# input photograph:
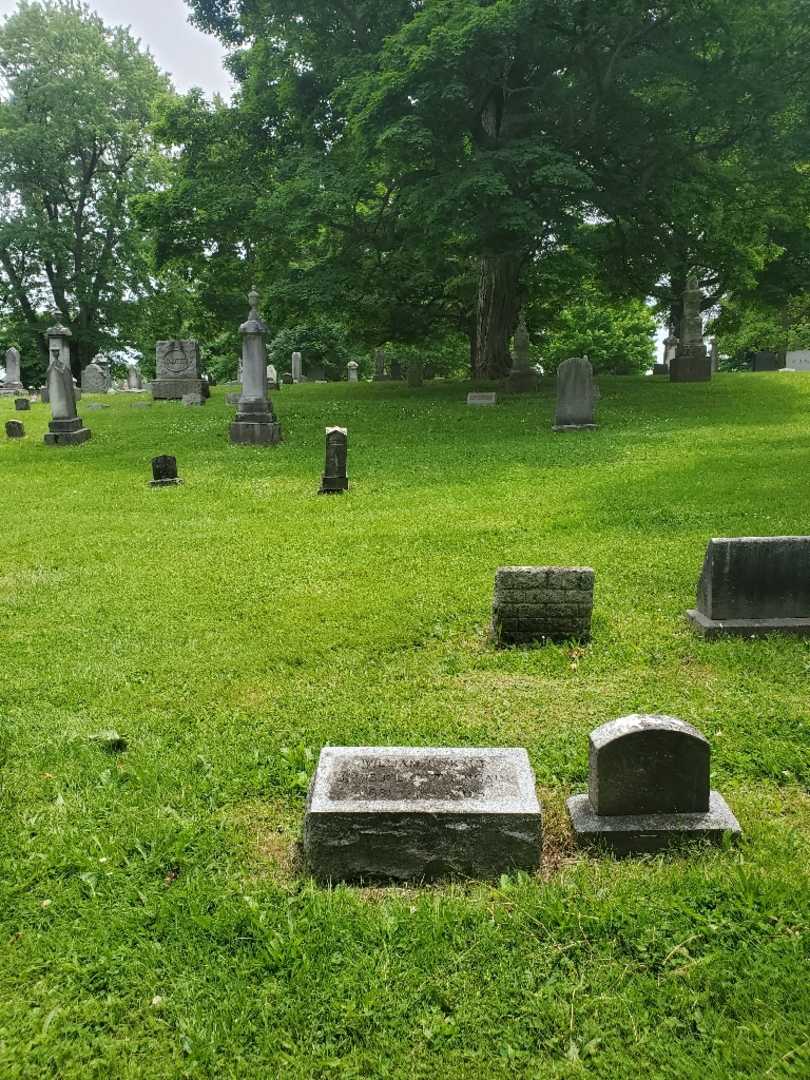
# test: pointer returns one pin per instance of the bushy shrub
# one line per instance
(320, 342)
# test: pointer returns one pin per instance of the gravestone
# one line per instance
(396, 371)
(134, 380)
(255, 422)
(352, 370)
(691, 362)
(11, 384)
(754, 585)
(335, 479)
(44, 396)
(14, 429)
(96, 406)
(522, 379)
(95, 379)
(297, 368)
(648, 787)
(767, 361)
(379, 366)
(421, 814)
(714, 355)
(798, 360)
(177, 371)
(192, 399)
(577, 395)
(670, 348)
(415, 374)
(232, 399)
(22, 404)
(272, 377)
(164, 472)
(479, 400)
(287, 378)
(536, 603)
(66, 427)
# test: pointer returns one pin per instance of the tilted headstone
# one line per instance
(691, 362)
(482, 399)
(14, 429)
(297, 368)
(415, 373)
(177, 371)
(11, 384)
(352, 370)
(255, 422)
(537, 603)
(95, 379)
(522, 378)
(22, 404)
(66, 427)
(798, 360)
(164, 471)
(754, 585)
(335, 479)
(576, 395)
(421, 814)
(379, 366)
(648, 787)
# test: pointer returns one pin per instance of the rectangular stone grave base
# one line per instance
(333, 485)
(176, 389)
(255, 434)
(712, 628)
(421, 814)
(11, 389)
(692, 363)
(165, 483)
(645, 833)
(574, 427)
(522, 382)
(66, 432)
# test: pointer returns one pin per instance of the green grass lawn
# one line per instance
(154, 920)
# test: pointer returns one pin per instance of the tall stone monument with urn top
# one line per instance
(523, 379)
(255, 421)
(691, 362)
(177, 371)
(66, 428)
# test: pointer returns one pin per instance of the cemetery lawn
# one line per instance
(154, 920)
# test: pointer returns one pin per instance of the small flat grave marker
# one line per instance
(648, 787)
(421, 813)
(22, 404)
(482, 399)
(14, 429)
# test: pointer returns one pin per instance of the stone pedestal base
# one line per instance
(66, 432)
(333, 485)
(692, 363)
(522, 381)
(574, 427)
(642, 833)
(257, 434)
(714, 628)
(176, 389)
(11, 389)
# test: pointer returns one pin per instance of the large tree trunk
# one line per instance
(498, 308)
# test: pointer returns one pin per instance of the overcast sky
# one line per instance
(189, 56)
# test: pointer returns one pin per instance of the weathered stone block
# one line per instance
(69, 432)
(536, 602)
(414, 814)
(14, 430)
(754, 585)
(22, 404)
(482, 399)
(648, 786)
